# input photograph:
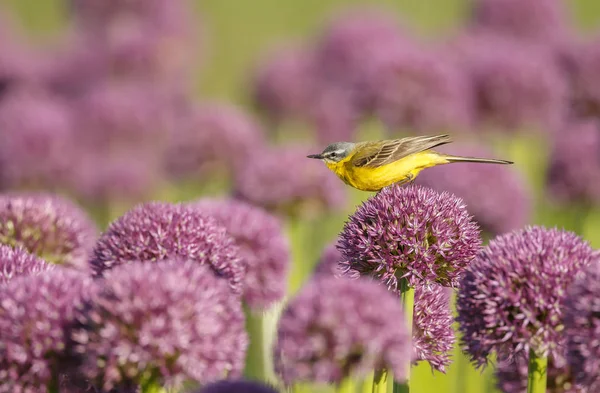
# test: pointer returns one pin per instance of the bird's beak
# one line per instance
(316, 156)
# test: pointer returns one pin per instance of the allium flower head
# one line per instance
(329, 262)
(36, 130)
(410, 232)
(497, 196)
(174, 320)
(582, 322)
(584, 60)
(574, 171)
(262, 246)
(213, 136)
(541, 21)
(510, 297)
(49, 226)
(515, 85)
(15, 262)
(36, 313)
(421, 89)
(155, 231)
(337, 327)
(237, 387)
(283, 181)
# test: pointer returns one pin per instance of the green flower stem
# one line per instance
(536, 378)
(301, 267)
(367, 384)
(380, 381)
(348, 385)
(259, 361)
(407, 295)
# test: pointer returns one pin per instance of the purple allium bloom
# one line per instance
(263, 247)
(543, 21)
(329, 262)
(582, 323)
(498, 197)
(509, 300)
(174, 320)
(410, 232)
(515, 85)
(574, 171)
(512, 377)
(337, 327)
(584, 60)
(36, 131)
(36, 313)
(49, 226)
(421, 89)
(283, 181)
(213, 136)
(155, 231)
(15, 262)
(237, 387)
(433, 334)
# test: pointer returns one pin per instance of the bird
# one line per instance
(374, 165)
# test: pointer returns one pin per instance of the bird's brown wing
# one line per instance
(379, 153)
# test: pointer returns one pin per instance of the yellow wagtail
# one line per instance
(373, 165)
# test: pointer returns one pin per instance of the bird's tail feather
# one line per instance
(451, 159)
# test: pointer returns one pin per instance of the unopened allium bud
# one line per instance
(335, 328)
(262, 246)
(410, 232)
(510, 298)
(49, 226)
(15, 262)
(155, 231)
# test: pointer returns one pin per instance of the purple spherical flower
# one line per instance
(36, 313)
(410, 232)
(212, 136)
(515, 85)
(15, 262)
(512, 377)
(263, 248)
(174, 320)
(237, 387)
(498, 197)
(337, 327)
(433, 335)
(543, 21)
(584, 60)
(282, 180)
(421, 89)
(574, 171)
(509, 300)
(49, 226)
(329, 262)
(582, 323)
(156, 231)
(37, 131)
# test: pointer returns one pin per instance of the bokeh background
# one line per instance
(214, 109)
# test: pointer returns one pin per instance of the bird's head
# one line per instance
(335, 152)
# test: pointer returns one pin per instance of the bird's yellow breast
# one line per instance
(374, 179)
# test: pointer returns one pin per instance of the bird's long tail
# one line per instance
(451, 159)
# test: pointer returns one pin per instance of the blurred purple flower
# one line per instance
(433, 334)
(237, 387)
(263, 247)
(498, 197)
(152, 319)
(282, 180)
(329, 262)
(582, 327)
(410, 232)
(36, 313)
(509, 299)
(15, 262)
(421, 89)
(574, 170)
(512, 377)
(49, 226)
(515, 85)
(36, 130)
(156, 231)
(585, 83)
(213, 136)
(336, 327)
(541, 21)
